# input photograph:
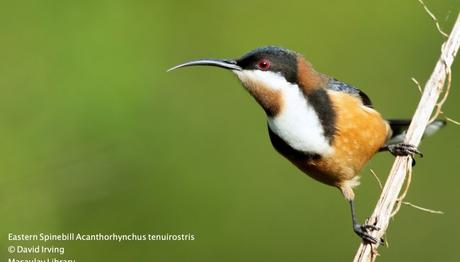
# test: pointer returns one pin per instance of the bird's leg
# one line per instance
(403, 149)
(363, 230)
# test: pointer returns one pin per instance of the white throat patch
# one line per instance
(271, 80)
(297, 123)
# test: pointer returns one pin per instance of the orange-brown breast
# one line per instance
(361, 132)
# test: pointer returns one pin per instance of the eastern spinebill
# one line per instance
(325, 127)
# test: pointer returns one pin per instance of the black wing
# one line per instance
(336, 85)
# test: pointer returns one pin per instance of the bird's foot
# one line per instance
(363, 231)
(403, 149)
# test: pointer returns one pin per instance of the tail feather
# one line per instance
(399, 129)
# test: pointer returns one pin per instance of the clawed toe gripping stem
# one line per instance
(403, 149)
(363, 231)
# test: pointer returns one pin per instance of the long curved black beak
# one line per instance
(227, 64)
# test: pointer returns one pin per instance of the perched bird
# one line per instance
(327, 128)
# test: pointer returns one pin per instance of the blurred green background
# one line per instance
(95, 136)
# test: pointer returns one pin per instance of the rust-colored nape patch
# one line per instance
(309, 79)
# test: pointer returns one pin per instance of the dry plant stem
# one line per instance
(434, 18)
(452, 121)
(377, 178)
(395, 181)
(431, 211)
(418, 84)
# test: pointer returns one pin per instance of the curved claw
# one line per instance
(362, 232)
(370, 227)
(403, 149)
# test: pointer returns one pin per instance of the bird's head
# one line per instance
(269, 74)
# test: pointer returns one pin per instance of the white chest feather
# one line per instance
(298, 124)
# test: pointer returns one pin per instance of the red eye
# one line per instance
(263, 64)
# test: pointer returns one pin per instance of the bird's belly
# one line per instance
(360, 133)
